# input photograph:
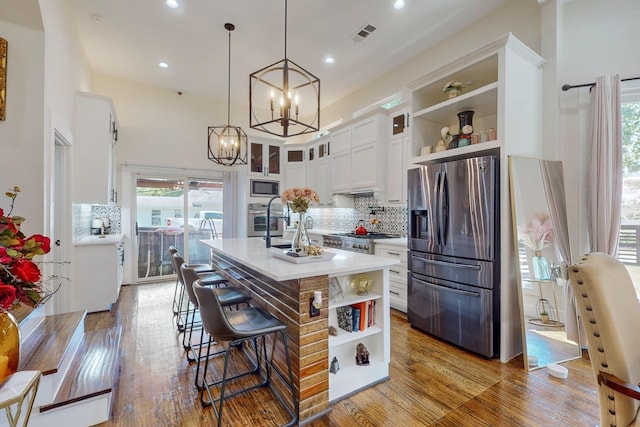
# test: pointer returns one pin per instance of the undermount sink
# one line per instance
(282, 246)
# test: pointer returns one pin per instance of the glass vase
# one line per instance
(300, 237)
(9, 345)
(541, 270)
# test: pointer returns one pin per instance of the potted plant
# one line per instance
(544, 316)
(453, 88)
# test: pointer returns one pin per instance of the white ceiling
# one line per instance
(128, 38)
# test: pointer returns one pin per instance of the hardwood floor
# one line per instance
(432, 382)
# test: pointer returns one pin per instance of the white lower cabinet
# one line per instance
(397, 273)
(374, 335)
(98, 273)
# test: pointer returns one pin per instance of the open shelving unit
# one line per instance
(352, 377)
(503, 82)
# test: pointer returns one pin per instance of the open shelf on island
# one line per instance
(348, 299)
(354, 377)
(344, 336)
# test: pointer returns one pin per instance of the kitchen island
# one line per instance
(286, 289)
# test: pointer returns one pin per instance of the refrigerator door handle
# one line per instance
(448, 289)
(440, 208)
(450, 264)
(444, 208)
(436, 220)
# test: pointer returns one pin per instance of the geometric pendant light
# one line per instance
(284, 98)
(227, 144)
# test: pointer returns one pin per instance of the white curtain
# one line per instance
(605, 179)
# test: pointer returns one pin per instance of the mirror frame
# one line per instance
(519, 279)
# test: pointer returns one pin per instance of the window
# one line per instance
(156, 217)
(629, 242)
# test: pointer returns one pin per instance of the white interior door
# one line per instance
(61, 240)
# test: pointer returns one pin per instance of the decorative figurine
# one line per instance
(333, 331)
(361, 284)
(335, 367)
(362, 354)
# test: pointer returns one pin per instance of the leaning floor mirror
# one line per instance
(539, 215)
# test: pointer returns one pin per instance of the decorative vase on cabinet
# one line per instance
(465, 118)
(9, 345)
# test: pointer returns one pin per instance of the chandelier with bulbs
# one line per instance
(227, 145)
(284, 98)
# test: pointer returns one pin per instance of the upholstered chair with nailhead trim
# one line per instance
(610, 312)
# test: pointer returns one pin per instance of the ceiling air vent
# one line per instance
(363, 33)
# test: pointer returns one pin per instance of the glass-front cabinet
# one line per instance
(265, 158)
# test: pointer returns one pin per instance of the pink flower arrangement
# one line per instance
(299, 198)
(538, 232)
(19, 275)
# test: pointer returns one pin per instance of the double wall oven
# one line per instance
(257, 220)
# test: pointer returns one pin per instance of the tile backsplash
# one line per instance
(84, 213)
(393, 220)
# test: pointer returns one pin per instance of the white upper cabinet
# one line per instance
(357, 156)
(368, 165)
(398, 153)
(94, 150)
(295, 165)
(341, 160)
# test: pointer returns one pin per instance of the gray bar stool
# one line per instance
(208, 278)
(200, 268)
(228, 296)
(233, 328)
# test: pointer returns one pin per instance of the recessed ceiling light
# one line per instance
(329, 60)
(163, 65)
(173, 4)
(399, 4)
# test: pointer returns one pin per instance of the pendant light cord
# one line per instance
(229, 81)
(285, 29)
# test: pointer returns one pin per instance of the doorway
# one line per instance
(177, 212)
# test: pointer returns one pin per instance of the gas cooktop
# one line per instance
(370, 235)
(362, 243)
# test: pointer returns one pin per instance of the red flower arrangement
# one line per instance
(20, 277)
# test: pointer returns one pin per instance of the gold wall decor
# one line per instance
(3, 77)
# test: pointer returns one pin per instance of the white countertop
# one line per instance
(108, 239)
(253, 253)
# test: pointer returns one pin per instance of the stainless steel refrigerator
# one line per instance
(454, 267)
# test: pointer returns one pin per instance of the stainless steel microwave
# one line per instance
(264, 188)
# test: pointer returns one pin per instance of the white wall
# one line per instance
(522, 18)
(595, 38)
(21, 133)
(159, 127)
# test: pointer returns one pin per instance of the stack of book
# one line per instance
(357, 317)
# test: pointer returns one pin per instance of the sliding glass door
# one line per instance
(175, 212)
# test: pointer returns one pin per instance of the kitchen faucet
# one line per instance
(287, 217)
